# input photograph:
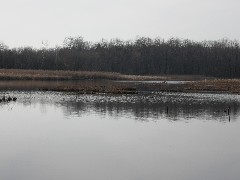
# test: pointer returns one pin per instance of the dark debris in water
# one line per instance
(7, 99)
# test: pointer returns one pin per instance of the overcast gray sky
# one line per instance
(28, 22)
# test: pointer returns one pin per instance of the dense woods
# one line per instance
(143, 56)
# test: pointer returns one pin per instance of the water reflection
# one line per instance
(53, 135)
(172, 111)
(171, 106)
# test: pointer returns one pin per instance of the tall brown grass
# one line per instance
(19, 74)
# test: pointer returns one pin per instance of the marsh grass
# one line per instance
(108, 82)
(215, 85)
(19, 74)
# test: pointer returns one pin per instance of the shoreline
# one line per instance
(115, 87)
(85, 82)
(54, 75)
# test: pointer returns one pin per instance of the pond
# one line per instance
(55, 135)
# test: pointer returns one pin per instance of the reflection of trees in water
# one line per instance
(157, 111)
(74, 108)
(141, 107)
(204, 111)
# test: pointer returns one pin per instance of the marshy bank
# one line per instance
(21, 74)
(85, 82)
(231, 86)
(124, 87)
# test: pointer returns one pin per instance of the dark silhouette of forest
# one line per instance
(142, 56)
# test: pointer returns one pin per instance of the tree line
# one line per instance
(142, 56)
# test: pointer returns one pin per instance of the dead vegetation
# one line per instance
(206, 86)
(216, 85)
(19, 74)
(202, 86)
(104, 82)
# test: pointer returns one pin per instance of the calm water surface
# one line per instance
(169, 136)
